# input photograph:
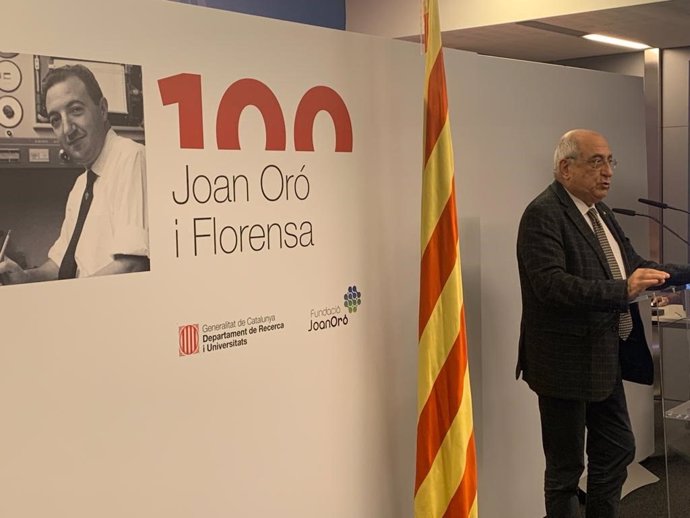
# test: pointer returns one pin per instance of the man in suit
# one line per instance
(580, 336)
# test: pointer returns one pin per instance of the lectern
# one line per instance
(671, 330)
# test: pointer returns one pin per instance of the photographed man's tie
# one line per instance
(68, 267)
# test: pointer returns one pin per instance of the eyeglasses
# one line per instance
(597, 162)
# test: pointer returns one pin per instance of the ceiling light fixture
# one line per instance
(616, 41)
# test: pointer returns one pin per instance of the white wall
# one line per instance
(396, 18)
(505, 132)
(629, 64)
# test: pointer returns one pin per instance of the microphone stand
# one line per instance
(661, 205)
(628, 212)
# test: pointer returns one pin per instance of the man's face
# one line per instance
(581, 176)
(78, 122)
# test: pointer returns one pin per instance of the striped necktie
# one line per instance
(68, 266)
(625, 324)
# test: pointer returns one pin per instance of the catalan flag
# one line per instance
(446, 476)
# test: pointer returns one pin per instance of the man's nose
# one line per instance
(67, 125)
(607, 169)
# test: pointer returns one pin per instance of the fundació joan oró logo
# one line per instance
(189, 339)
(334, 316)
(353, 298)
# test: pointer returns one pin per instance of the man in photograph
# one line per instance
(105, 228)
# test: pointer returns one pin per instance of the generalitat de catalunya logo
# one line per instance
(189, 339)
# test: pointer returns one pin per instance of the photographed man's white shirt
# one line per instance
(117, 222)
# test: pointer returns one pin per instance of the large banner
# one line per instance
(256, 363)
(262, 182)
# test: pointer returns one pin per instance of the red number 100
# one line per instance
(185, 91)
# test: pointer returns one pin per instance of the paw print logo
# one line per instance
(353, 298)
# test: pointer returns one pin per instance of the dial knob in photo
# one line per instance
(11, 112)
(10, 76)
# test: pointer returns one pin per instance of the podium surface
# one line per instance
(671, 329)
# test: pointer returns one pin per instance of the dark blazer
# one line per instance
(569, 346)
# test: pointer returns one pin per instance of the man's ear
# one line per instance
(103, 108)
(564, 168)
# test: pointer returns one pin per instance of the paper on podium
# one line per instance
(672, 312)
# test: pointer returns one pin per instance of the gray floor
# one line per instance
(650, 501)
(653, 500)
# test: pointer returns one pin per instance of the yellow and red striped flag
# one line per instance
(446, 476)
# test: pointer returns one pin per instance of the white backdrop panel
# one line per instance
(102, 417)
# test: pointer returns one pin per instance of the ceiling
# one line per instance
(662, 25)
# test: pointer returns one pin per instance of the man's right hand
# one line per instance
(643, 279)
(11, 272)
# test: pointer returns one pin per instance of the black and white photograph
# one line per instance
(73, 197)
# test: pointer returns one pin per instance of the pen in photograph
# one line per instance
(4, 245)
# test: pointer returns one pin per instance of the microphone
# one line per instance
(660, 205)
(628, 212)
